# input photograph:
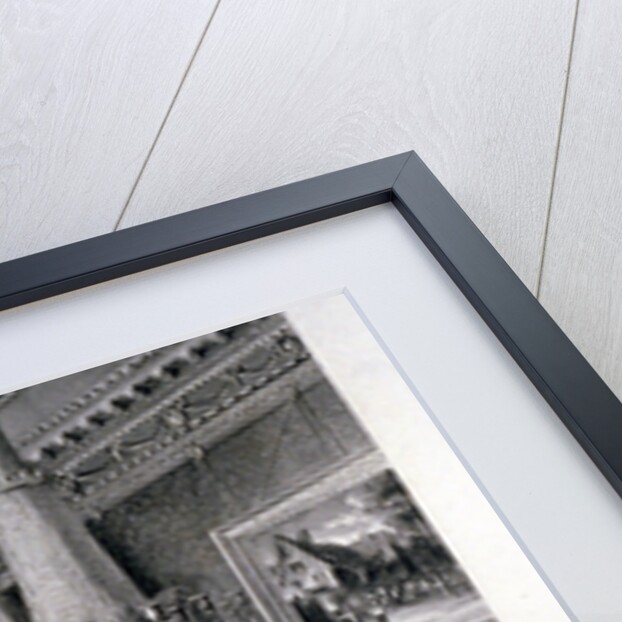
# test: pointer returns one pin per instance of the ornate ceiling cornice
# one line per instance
(131, 377)
(126, 473)
(7, 398)
(156, 412)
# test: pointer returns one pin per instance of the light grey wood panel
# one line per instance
(84, 87)
(582, 272)
(281, 91)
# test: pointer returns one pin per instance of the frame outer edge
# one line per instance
(573, 389)
(113, 255)
(576, 393)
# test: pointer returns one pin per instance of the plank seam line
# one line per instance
(166, 116)
(547, 217)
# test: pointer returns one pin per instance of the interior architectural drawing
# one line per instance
(218, 479)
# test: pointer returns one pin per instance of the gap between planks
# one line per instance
(547, 218)
(167, 115)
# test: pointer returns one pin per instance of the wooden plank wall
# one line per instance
(112, 114)
(582, 271)
(84, 87)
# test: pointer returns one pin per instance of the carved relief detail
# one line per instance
(187, 402)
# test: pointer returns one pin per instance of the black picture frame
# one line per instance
(572, 388)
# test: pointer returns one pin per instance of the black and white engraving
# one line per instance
(219, 479)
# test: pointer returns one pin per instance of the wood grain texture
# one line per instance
(84, 87)
(582, 272)
(279, 92)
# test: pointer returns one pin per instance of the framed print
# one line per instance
(289, 408)
(246, 475)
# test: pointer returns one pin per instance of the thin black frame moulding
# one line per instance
(581, 399)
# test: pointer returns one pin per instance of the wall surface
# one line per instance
(115, 114)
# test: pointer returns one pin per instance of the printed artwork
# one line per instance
(221, 479)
